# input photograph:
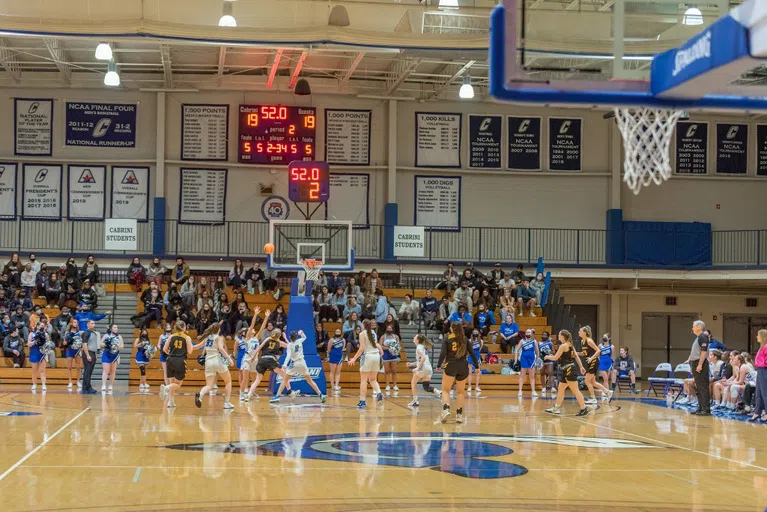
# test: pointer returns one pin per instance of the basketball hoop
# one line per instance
(312, 269)
(646, 138)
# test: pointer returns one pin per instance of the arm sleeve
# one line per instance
(442, 354)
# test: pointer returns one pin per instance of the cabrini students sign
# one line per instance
(409, 241)
(120, 234)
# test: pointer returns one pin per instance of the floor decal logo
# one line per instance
(461, 454)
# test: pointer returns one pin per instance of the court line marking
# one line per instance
(678, 477)
(392, 468)
(701, 452)
(45, 441)
(136, 475)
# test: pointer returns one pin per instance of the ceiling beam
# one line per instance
(221, 62)
(353, 63)
(297, 69)
(535, 4)
(166, 65)
(9, 60)
(59, 57)
(400, 70)
(444, 85)
(607, 5)
(572, 5)
(275, 67)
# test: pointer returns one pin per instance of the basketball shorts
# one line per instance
(266, 364)
(426, 372)
(298, 368)
(570, 372)
(458, 369)
(593, 367)
(176, 368)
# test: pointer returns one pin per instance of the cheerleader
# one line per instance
(391, 349)
(422, 370)
(36, 341)
(111, 344)
(591, 351)
(142, 360)
(164, 337)
(217, 362)
(568, 358)
(606, 361)
(370, 353)
(476, 343)
(527, 353)
(270, 350)
(74, 343)
(335, 350)
(546, 348)
(295, 364)
(455, 349)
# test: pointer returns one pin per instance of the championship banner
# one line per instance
(691, 147)
(565, 136)
(41, 192)
(101, 125)
(485, 134)
(524, 148)
(33, 127)
(130, 193)
(87, 192)
(438, 202)
(761, 150)
(731, 148)
(7, 190)
(437, 139)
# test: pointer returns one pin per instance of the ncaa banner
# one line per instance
(86, 192)
(565, 136)
(7, 190)
(41, 192)
(130, 192)
(102, 125)
(33, 127)
(485, 141)
(731, 148)
(691, 147)
(524, 143)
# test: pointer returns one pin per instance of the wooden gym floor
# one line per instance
(63, 451)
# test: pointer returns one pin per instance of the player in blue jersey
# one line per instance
(164, 337)
(475, 345)
(606, 350)
(546, 348)
(335, 350)
(526, 353)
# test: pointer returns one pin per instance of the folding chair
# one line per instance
(676, 383)
(624, 380)
(656, 381)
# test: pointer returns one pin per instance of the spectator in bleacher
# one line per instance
(225, 315)
(321, 281)
(353, 341)
(71, 269)
(624, 367)
(136, 273)
(526, 298)
(518, 275)
(152, 287)
(41, 279)
(715, 343)
(153, 304)
(368, 309)
(205, 318)
(352, 290)
(497, 273)
(382, 309)
(13, 347)
(23, 300)
(90, 271)
(325, 301)
(60, 323)
(28, 280)
(4, 302)
(537, 286)
(508, 332)
(362, 279)
(278, 318)
(352, 306)
(20, 319)
(203, 300)
(203, 285)
(13, 270)
(489, 286)
(321, 337)
(241, 317)
(339, 301)
(87, 297)
(156, 271)
(483, 320)
(178, 312)
(35, 264)
(267, 331)
(237, 276)
(429, 310)
(351, 323)
(508, 303)
(487, 299)
(409, 310)
(464, 295)
(172, 297)
(449, 279)
(445, 310)
(392, 322)
(219, 286)
(335, 281)
(70, 288)
(463, 316)
(188, 292)
(91, 343)
(84, 316)
(218, 302)
(5, 323)
(180, 272)
(270, 282)
(254, 278)
(36, 316)
(373, 282)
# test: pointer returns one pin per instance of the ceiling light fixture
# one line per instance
(692, 16)
(467, 90)
(227, 18)
(104, 51)
(112, 79)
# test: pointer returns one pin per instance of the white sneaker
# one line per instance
(543, 393)
(388, 393)
(146, 387)
(468, 389)
(387, 389)
(459, 418)
(413, 403)
(535, 394)
(69, 386)
(34, 388)
(110, 389)
(477, 390)
(294, 393)
(554, 410)
(163, 391)
(532, 315)
(437, 393)
(45, 388)
(519, 395)
(609, 395)
(444, 415)
(171, 404)
(228, 405)
(103, 388)
(80, 384)
(396, 389)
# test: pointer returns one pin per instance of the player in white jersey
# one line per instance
(423, 369)
(295, 364)
(217, 362)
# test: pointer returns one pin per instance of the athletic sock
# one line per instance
(445, 407)
(613, 386)
(459, 411)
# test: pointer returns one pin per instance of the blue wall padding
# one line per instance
(668, 243)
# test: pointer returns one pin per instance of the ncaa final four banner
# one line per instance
(86, 192)
(33, 127)
(41, 192)
(130, 193)
(8, 190)
(101, 125)
(485, 141)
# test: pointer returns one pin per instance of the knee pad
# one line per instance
(142, 369)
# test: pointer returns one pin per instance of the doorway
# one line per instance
(665, 339)
(587, 314)
(739, 332)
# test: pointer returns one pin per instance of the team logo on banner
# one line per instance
(33, 107)
(275, 208)
(86, 177)
(41, 175)
(130, 178)
(102, 127)
(2, 170)
(459, 454)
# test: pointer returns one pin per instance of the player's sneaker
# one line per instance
(323, 398)
(69, 386)
(197, 400)
(379, 397)
(535, 394)
(413, 403)
(274, 400)
(459, 418)
(295, 393)
(591, 401)
(228, 405)
(34, 388)
(396, 389)
(478, 390)
(444, 415)
(437, 393)
(554, 410)
(171, 404)
(361, 404)
(583, 412)
(468, 389)
(610, 395)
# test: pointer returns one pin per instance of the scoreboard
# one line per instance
(274, 134)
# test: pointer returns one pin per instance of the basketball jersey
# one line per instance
(370, 348)
(420, 355)
(177, 346)
(211, 347)
(296, 350)
(587, 350)
(242, 346)
(451, 353)
(271, 348)
(475, 345)
(605, 355)
(568, 356)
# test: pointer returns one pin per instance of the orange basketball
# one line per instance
(269, 249)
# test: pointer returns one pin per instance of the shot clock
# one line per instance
(308, 182)
(273, 134)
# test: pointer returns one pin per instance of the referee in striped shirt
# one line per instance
(699, 364)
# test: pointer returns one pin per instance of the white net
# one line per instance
(646, 139)
(311, 272)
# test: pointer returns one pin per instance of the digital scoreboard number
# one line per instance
(308, 182)
(276, 134)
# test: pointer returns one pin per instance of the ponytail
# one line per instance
(566, 335)
(460, 338)
(369, 332)
(423, 340)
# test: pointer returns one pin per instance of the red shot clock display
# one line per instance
(308, 182)
(273, 134)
